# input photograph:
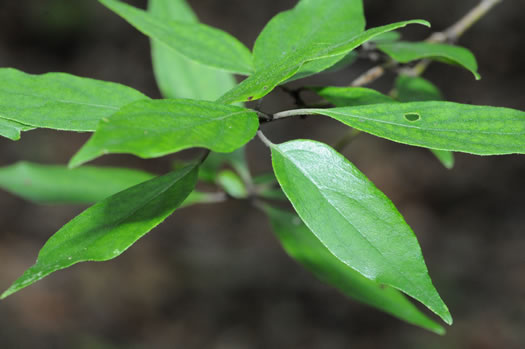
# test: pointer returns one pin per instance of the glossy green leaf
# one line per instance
(195, 41)
(449, 126)
(405, 52)
(180, 77)
(283, 67)
(330, 64)
(353, 219)
(159, 127)
(232, 184)
(302, 245)
(352, 96)
(57, 184)
(107, 229)
(12, 129)
(60, 101)
(416, 89)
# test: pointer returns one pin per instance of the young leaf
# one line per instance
(330, 64)
(404, 52)
(215, 162)
(265, 79)
(12, 129)
(107, 229)
(387, 37)
(232, 184)
(301, 244)
(352, 96)
(450, 126)
(418, 89)
(195, 41)
(159, 127)
(60, 101)
(354, 220)
(54, 184)
(176, 75)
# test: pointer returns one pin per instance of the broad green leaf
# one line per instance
(352, 96)
(12, 129)
(57, 184)
(265, 79)
(155, 128)
(60, 101)
(405, 52)
(195, 41)
(301, 244)
(449, 126)
(353, 219)
(418, 89)
(309, 26)
(232, 184)
(107, 229)
(180, 77)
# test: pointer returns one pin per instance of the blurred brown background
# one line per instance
(214, 276)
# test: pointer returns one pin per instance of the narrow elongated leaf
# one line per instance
(12, 129)
(301, 244)
(404, 52)
(57, 184)
(352, 96)
(159, 127)
(107, 229)
(355, 221)
(180, 77)
(418, 89)
(450, 126)
(232, 184)
(198, 42)
(60, 101)
(387, 37)
(265, 79)
(330, 64)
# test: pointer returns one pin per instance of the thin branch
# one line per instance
(452, 34)
(265, 140)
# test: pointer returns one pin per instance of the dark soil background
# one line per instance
(214, 276)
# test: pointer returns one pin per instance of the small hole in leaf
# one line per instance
(250, 98)
(412, 116)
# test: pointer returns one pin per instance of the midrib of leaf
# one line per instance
(319, 111)
(316, 185)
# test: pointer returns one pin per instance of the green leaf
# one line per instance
(265, 79)
(405, 52)
(155, 128)
(387, 37)
(330, 64)
(54, 184)
(301, 244)
(195, 41)
(353, 219)
(450, 126)
(12, 129)
(107, 229)
(60, 101)
(180, 77)
(232, 184)
(415, 89)
(351, 96)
